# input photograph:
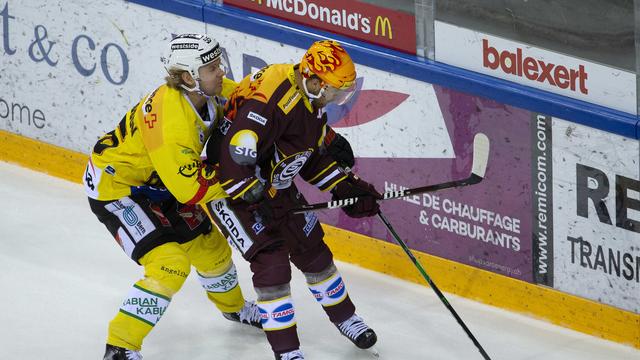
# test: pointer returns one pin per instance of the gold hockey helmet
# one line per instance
(329, 61)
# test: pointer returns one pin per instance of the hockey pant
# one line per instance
(269, 252)
(168, 263)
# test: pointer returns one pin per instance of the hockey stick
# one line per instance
(432, 285)
(480, 158)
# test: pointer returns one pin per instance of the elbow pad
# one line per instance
(339, 149)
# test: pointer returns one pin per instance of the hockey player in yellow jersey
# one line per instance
(145, 181)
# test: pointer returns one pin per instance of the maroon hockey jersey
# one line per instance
(272, 134)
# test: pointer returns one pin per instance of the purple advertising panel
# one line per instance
(487, 225)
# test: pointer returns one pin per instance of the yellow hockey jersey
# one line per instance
(157, 143)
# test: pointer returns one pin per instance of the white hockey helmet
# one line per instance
(189, 52)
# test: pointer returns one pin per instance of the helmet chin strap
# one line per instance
(310, 95)
(196, 89)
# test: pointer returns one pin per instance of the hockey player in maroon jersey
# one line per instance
(275, 129)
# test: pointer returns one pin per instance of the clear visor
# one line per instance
(338, 96)
(224, 65)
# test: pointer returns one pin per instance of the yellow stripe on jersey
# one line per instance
(334, 184)
(324, 134)
(322, 172)
(245, 189)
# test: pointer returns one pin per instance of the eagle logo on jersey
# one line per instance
(286, 169)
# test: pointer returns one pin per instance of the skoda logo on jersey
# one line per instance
(336, 290)
(283, 313)
(286, 169)
(225, 217)
(257, 118)
(243, 147)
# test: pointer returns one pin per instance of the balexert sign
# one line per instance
(536, 67)
(515, 63)
(351, 18)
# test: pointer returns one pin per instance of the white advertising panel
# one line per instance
(69, 73)
(536, 67)
(596, 220)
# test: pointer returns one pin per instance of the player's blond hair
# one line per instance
(174, 78)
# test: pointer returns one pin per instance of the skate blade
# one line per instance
(374, 352)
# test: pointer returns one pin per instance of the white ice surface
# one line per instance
(63, 277)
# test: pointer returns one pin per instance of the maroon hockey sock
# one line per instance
(340, 312)
(284, 340)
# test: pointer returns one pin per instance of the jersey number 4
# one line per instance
(88, 179)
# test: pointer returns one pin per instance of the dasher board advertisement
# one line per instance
(596, 218)
(536, 67)
(68, 75)
(68, 82)
(356, 19)
(486, 225)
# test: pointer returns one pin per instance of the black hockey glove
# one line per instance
(368, 196)
(271, 212)
(339, 149)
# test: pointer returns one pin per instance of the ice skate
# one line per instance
(291, 355)
(249, 315)
(358, 332)
(118, 353)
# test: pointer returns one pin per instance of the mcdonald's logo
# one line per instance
(384, 23)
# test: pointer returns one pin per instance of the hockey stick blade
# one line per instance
(480, 154)
(478, 169)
